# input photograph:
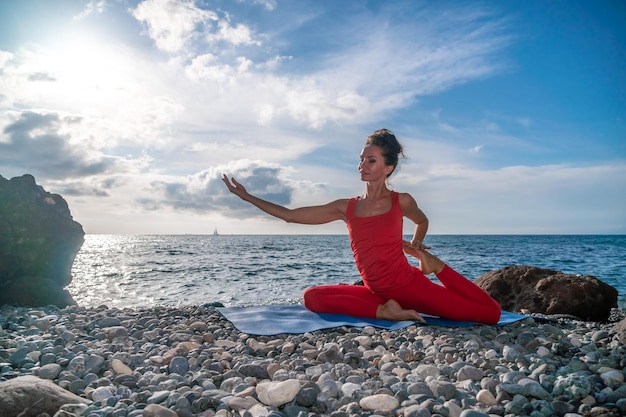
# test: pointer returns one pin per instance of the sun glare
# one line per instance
(86, 73)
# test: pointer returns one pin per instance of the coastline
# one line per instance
(190, 361)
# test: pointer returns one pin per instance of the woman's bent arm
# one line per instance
(411, 211)
(326, 213)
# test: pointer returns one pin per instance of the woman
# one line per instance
(393, 289)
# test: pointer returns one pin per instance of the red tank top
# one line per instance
(377, 246)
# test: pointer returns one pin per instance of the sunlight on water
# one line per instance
(143, 271)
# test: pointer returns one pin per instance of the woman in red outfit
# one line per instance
(393, 289)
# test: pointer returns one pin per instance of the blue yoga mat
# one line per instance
(269, 320)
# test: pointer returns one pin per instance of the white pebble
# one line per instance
(278, 393)
(379, 402)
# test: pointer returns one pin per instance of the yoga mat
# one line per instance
(269, 320)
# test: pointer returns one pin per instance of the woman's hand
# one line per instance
(416, 244)
(409, 248)
(413, 250)
(235, 187)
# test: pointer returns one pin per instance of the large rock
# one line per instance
(38, 243)
(29, 396)
(547, 291)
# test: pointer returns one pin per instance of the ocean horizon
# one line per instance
(138, 271)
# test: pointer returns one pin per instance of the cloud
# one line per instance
(96, 6)
(5, 57)
(267, 4)
(237, 35)
(205, 190)
(367, 74)
(173, 24)
(36, 143)
(41, 76)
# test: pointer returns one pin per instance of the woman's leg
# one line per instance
(354, 300)
(430, 298)
(451, 279)
(463, 296)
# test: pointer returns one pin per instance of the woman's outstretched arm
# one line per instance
(326, 213)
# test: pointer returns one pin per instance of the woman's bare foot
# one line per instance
(392, 310)
(429, 263)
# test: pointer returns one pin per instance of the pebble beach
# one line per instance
(191, 361)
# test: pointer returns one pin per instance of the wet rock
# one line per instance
(38, 243)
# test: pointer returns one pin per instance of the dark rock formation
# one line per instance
(29, 396)
(546, 291)
(38, 243)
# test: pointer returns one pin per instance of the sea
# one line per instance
(131, 271)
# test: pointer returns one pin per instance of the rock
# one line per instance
(49, 371)
(28, 396)
(278, 393)
(473, 413)
(547, 291)
(486, 397)
(379, 402)
(179, 365)
(101, 393)
(470, 372)
(155, 410)
(120, 368)
(38, 243)
(620, 329)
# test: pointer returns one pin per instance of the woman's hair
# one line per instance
(386, 140)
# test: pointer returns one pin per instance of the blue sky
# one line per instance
(512, 113)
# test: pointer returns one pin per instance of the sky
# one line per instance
(512, 114)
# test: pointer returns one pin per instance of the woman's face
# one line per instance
(372, 165)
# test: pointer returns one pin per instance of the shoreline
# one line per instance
(191, 361)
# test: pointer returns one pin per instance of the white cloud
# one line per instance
(240, 34)
(173, 23)
(97, 6)
(5, 57)
(268, 4)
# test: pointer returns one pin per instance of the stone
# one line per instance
(379, 402)
(179, 365)
(416, 411)
(49, 371)
(547, 291)
(29, 396)
(613, 378)
(120, 368)
(620, 329)
(101, 394)
(38, 243)
(278, 393)
(442, 389)
(242, 403)
(472, 413)
(156, 410)
(486, 397)
(470, 372)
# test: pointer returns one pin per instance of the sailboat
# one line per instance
(215, 232)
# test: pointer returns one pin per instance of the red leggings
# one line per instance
(457, 299)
